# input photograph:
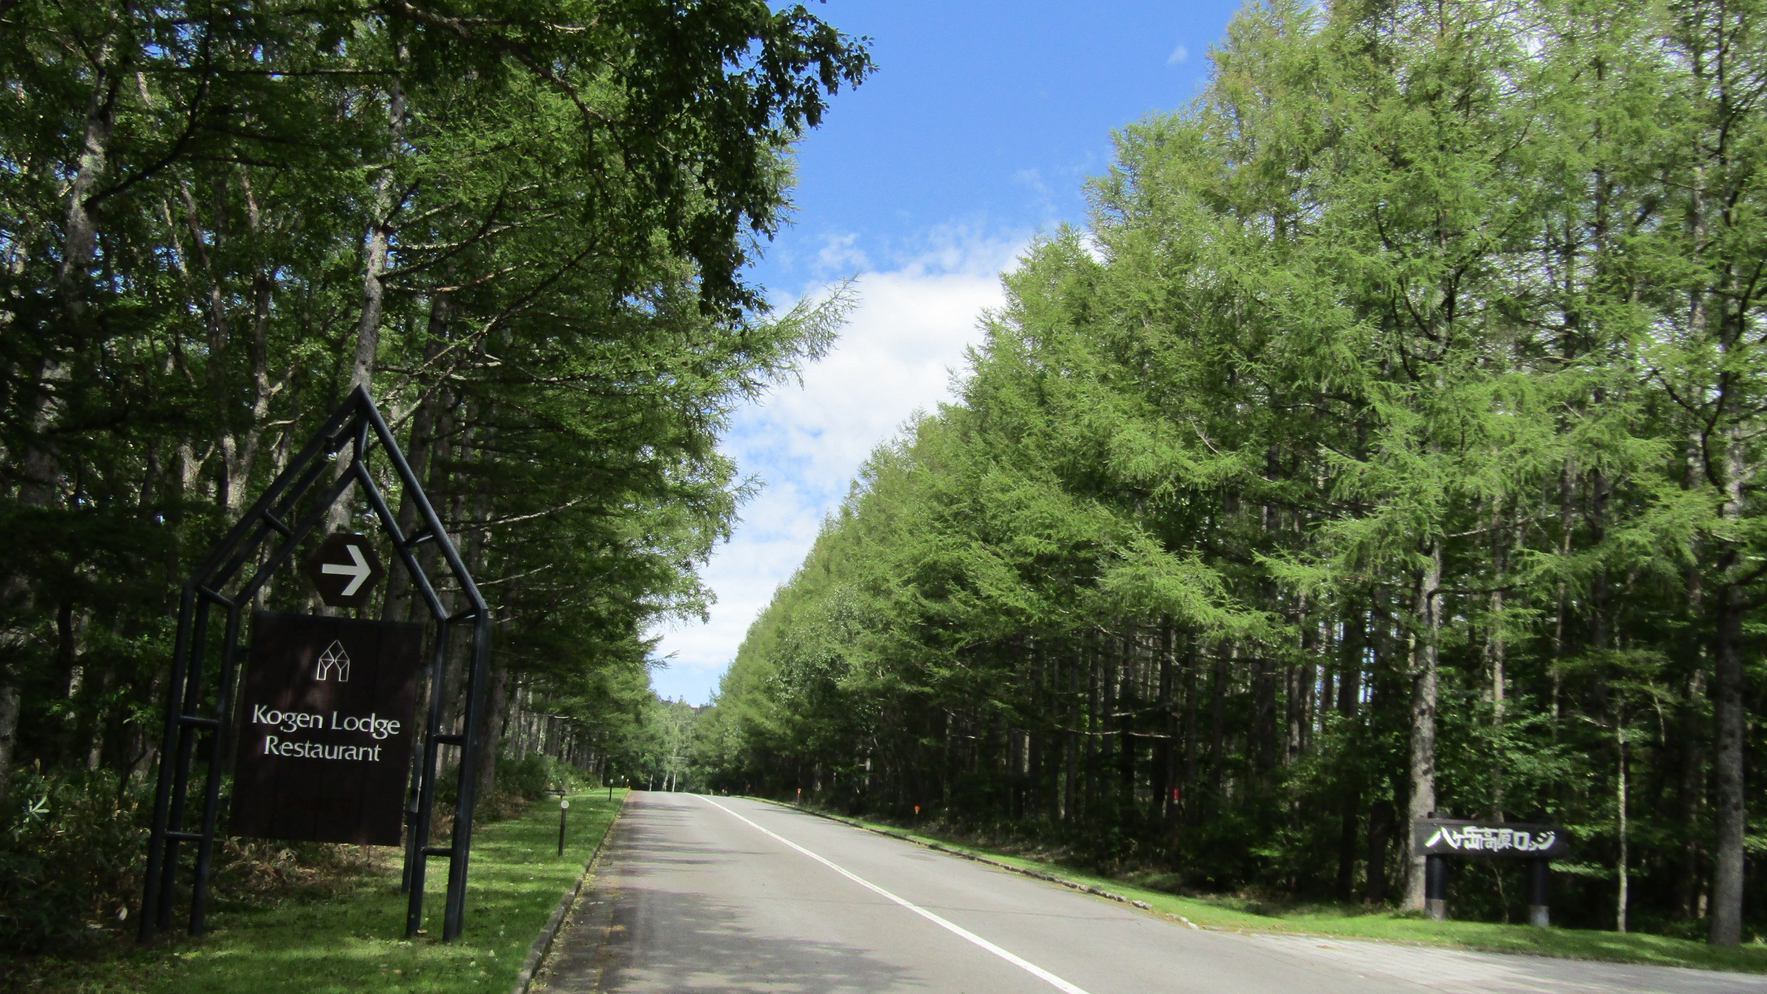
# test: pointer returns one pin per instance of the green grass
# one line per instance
(1361, 923)
(354, 941)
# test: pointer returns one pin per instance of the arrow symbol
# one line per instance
(357, 571)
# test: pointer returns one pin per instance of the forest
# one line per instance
(526, 228)
(1388, 443)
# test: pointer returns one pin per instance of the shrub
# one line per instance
(72, 846)
(519, 783)
(526, 778)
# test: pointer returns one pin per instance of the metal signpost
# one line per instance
(326, 701)
(1438, 839)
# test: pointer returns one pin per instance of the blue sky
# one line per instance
(976, 134)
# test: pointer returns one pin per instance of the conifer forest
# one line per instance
(1389, 443)
(524, 227)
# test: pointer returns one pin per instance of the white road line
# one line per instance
(1023, 964)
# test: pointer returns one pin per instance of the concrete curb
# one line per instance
(975, 858)
(543, 943)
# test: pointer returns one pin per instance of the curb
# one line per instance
(543, 943)
(975, 858)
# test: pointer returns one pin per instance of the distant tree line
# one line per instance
(525, 227)
(1391, 443)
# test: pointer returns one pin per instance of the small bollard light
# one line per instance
(564, 807)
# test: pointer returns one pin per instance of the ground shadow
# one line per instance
(704, 947)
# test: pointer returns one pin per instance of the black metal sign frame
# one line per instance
(199, 704)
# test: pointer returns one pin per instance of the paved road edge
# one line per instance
(1022, 871)
(543, 943)
(1144, 906)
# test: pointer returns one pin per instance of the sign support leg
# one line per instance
(1435, 887)
(149, 920)
(426, 783)
(471, 755)
(1539, 882)
(219, 744)
(182, 754)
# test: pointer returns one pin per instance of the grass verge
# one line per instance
(353, 941)
(1361, 923)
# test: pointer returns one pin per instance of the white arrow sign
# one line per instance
(357, 571)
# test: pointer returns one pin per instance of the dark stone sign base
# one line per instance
(325, 729)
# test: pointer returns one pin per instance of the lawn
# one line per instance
(1361, 923)
(354, 941)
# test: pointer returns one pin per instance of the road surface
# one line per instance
(722, 894)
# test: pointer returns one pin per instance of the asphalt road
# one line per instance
(723, 894)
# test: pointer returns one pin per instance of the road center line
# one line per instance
(952, 927)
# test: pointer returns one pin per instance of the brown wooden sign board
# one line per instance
(325, 729)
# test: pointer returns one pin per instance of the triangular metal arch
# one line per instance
(266, 533)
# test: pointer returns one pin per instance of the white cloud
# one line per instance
(839, 255)
(906, 335)
(1179, 56)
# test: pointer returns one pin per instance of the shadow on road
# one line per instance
(638, 929)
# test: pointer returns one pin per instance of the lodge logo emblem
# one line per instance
(334, 661)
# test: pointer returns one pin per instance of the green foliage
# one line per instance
(351, 935)
(1389, 443)
(521, 782)
(526, 227)
(70, 854)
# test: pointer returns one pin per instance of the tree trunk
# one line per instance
(1219, 686)
(1094, 725)
(1187, 779)
(240, 448)
(1299, 685)
(374, 267)
(1624, 868)
(1727, 770)
(1422, 766)
(1128, 702)
(1070, 798)
(1496, 655)
(1730, 741)
(10, 702)
(1163, 809)
(374, 256)
(1349, 691)
(40, 469)
(1691, 794)
(491, 730)
(1380, 828)
(427, 420)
